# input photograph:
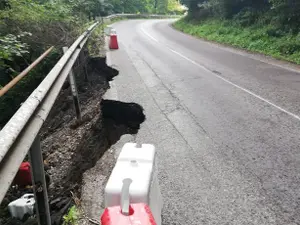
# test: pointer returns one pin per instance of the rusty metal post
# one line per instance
(39, 183)
(74, 91)
(24, 72)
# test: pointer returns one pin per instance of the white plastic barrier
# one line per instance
(22, 206)
(139, 165)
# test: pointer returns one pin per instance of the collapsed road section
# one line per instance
(70, 147)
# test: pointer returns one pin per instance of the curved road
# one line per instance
(225, 123)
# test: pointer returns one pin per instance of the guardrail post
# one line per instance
(39, 183)
(82, 62)
(74, 91)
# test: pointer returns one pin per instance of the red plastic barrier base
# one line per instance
(23, 177)
(113, 44)
(138, 214)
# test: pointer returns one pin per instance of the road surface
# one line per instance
(225, 123)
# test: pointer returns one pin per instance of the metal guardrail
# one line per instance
(20, 135)
(137, 16)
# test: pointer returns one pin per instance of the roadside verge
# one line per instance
(256, 40)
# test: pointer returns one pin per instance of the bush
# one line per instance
(275, 32)
(203, 13)
(72, 217)
(286, 15)
(246, 17)
(289, 48)
(11, 48)
(12, 100)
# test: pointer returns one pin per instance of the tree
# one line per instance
(175, 6)
(193, 6)
(4, 4)
(162, 6)
(287, 14)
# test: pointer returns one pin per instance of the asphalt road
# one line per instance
(225, 123)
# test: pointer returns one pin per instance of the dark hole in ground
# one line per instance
(131, 114)
(99, 74)
(118, 118)
(98, 65)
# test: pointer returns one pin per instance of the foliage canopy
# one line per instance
(284, 14)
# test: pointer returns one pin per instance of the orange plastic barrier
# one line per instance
(113, 44)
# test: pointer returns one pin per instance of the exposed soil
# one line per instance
(71, 147)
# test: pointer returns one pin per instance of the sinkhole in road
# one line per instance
(70, 147)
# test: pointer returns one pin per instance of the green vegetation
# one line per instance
(255, 39)
(27, 29)
(174, 7)
(72, 217)
(270, 27)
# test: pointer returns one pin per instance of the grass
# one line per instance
(265, 40)
(72, 217)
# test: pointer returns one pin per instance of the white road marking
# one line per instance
(222, 78)
(154, 39)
